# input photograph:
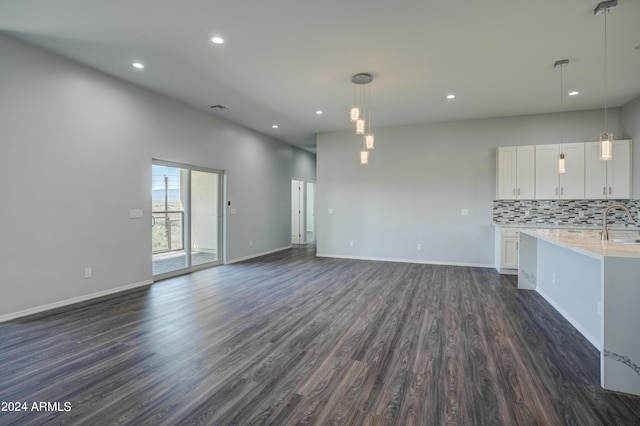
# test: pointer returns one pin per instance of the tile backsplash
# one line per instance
(562, 212)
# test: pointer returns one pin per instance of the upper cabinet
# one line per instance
(516, 172)
(550, 183)
(531, 172)
(608, 179)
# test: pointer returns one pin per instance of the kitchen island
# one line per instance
(595, 285)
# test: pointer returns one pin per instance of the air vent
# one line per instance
(219, 107)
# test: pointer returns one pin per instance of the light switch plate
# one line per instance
(465, 212)
(233, 211)
(330, 211)
(135, 213)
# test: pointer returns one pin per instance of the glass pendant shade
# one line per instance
(354, 114)
(364, 157)
(606, 146)
(561, 165)
(369, 141)
(360, 126)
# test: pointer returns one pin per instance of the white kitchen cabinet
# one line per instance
(550, 183)
(516, 172)
(509, 258)
(608, 179)
(507, 246)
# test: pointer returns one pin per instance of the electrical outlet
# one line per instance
(88, 272)
(351, 243)
(553, 278)
(419, 246)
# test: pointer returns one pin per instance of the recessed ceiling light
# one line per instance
(138, 65)
(574, 93)
(319, 112)
(275, 126)
(451, 96)
(217, 40)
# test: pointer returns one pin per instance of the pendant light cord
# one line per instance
(605, 72)
(561, 108)
(369, 109)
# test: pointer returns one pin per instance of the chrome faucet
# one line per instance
(605, 231)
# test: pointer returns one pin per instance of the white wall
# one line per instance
(631, 130)
(76, 151)
(418, 180)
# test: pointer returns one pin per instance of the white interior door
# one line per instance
(297, 211)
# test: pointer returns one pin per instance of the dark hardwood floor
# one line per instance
(294, 339)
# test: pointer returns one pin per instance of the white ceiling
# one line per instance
(284, 59)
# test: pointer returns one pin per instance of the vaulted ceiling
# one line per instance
(283, 60)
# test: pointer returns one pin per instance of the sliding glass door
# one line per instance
(186, 218)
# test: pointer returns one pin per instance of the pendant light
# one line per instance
(562, 168)
(357, 115)
(606, 138)
(354, 112)
(364, 157)
(369, 139)
(561, 162)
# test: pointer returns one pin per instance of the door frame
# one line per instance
(187, 237)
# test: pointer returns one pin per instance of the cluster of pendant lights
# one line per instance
(606, 137)
(358, 116)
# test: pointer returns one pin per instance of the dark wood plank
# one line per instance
(290, 338)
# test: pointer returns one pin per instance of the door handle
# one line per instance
(562, 191)
(609, 190)
(518, 191)
(604, 190)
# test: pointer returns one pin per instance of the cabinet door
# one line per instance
(595, 179)
(506, 176)
(572, 182)
(547, 180)
(525, 172)
(509, 258)
(619, 171)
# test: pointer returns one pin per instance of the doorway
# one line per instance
(303, 224)
(186, 218)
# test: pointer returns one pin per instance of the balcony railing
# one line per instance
(167, 228)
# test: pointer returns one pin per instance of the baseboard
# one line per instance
(419, 261)
(506, 271)
(63, 303)
(251, 256)
(595, 342)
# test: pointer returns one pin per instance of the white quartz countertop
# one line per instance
(588, 242)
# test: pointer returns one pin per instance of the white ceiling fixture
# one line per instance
(217, 40)
(138, 65)
(574, 93)
(319, 112)
(606, 137)
(274, 126)
(359, 81)
(561, 161)
(451, 96)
